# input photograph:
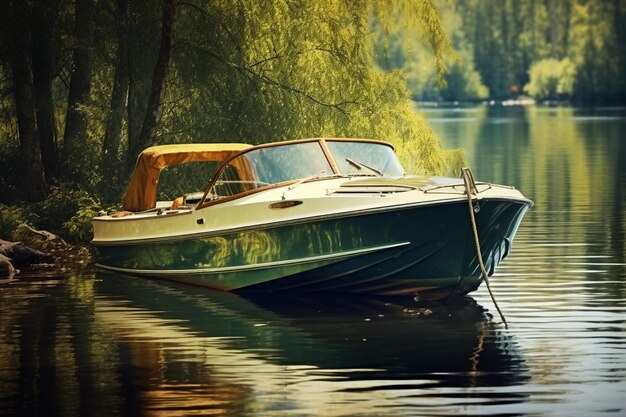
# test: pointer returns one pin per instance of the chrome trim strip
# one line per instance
(266, 265)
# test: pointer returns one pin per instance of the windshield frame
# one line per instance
(336, 171)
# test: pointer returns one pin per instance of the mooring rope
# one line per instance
(470, 188)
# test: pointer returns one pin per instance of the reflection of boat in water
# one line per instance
(330, 343)
(312, 215)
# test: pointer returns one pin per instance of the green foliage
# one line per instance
(498, 41)
(11, 217)
(551, 79)
(78, 228)
(9, 171)
(67, 202)
(293, 72)
(419, 20)
(462, 82)
(598, 50)
(67, 212)
(593, 56)
(177, 180)
(254, 71)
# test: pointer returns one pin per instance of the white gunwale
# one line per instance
(281, 223)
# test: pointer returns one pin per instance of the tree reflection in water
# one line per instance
(121, 345)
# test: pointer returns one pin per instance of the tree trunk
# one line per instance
(619, 31)
(112, 136)
(16, 30)
(42, 82)
(137, 97)
(533, 31)
(566, 29)
(34, 179)
(80, 83)
(157, 89)
(552, 26)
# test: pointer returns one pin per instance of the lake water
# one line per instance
(102, 344)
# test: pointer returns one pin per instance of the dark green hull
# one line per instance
(421, 249)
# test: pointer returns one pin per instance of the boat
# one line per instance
(322, 214)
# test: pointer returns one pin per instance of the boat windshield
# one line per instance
(365, 158)
(298, 161)
(270, 165)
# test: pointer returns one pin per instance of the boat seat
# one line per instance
(177, 203)
(189, 199)
(122, 213)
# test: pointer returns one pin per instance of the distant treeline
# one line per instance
(572, 50)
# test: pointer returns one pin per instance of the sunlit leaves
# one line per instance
(551, 79)
(284, 70)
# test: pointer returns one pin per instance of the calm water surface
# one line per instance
(103, 344)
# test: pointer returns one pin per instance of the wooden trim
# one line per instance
(329, 157)
(380, 142)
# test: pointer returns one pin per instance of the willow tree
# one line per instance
(128, 74)
(261, 71)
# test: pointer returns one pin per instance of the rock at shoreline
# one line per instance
(42, 252)
(22, 255)
(7, 270)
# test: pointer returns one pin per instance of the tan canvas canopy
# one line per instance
(142, 189)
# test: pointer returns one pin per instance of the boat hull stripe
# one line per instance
(266, 265)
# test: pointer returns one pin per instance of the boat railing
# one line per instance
(456, 188)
